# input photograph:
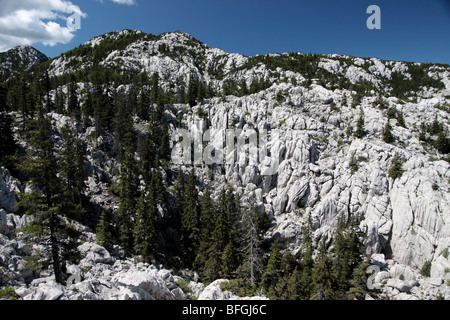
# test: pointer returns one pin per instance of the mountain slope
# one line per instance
(18, 60)
(327, 153)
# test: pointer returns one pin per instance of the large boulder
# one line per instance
(214, 292)
(147, 284)
(93, 253)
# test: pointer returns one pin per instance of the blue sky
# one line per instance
(411, 30)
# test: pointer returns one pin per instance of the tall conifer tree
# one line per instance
(190, 221)
(48, 227)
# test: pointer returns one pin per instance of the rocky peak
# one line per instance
(19, 59)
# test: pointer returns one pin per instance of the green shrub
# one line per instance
(396, 170)
(387, 134)
(353, 165)
(426, 269)
(184, 285)
(8, 293)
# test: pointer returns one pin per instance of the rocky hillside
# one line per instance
(18, 60)
(306, 139)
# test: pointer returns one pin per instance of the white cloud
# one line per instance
(33, 21)
(126, 2)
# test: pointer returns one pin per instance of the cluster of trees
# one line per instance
(433, 133)
(403, 87)
(230, 237)
(436, 129)
(335, 271)
(197, 91)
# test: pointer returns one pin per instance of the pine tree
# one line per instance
(144, 104)
(224, 236)
(254, 86)
(243, 90)
(132, 99)
(396, 171)
(158, 126)
(359, 133)
(88, 106)
(442, 143)
(294, 285)
(123, 124)
(48, 226)
(156, 90)
(160, 133)
(251, 243)
(435, 127)
(58, 98)
(322, 274)
(97, 102)
(157, 185)
(146, 151)
(207, 218)
(106, 108)
(7, 143)
(303, 272)
(391, 113)
(192, 92)
(190, 221)
(288, 265)
(272, 271)
(234, 213)
(212, 267)
(73, 155)
(401, 119)
(222, 227)
(21, 99)
(423, 132)
(73, 104)
(177, 206)
(348, 250)
(358, 282)
(209, 92)
(341, 267)
(387, 133)
(200, 92)
(344, 100)
(145, 229)
(228, 261)
(47, 88)
(103, 230)
(3, 99)
(353, 164)
(128, 192)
